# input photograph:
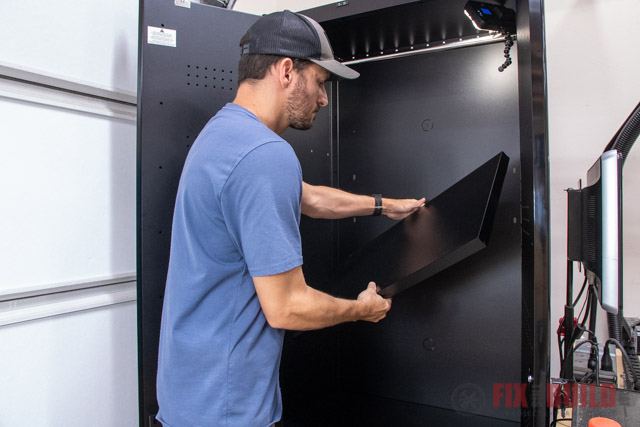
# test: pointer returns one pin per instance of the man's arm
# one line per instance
(330, 203)
(288, 303)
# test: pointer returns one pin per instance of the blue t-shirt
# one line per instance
(237, 215)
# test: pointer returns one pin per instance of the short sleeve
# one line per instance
(261, 206)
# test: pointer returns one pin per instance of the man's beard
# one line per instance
(297, 109)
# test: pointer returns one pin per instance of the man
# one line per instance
(235, 280)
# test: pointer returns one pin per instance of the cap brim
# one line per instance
(338, 70)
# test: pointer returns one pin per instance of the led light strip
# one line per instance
(432, 47)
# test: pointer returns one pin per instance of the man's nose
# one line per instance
(323, 101)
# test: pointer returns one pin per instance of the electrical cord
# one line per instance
(560, 340)
(590, 375)
(579, 330)
(560, 346)
(595, 370)
(573, 350)
(597, 367)
(593, 343)
(584, 286)
(586, 307)
(559, 395)
(626, 358)
(593, 373)
(592, 363)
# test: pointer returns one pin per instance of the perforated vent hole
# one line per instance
(206, 75)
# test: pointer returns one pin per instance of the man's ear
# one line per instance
(284, 72)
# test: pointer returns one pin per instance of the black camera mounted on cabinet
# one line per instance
(494, 17)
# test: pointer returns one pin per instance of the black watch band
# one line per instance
(377, 211)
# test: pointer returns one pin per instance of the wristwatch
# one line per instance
(378, 209)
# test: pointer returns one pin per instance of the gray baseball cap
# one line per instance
(296, 36)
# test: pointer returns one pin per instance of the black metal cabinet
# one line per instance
(411, 125)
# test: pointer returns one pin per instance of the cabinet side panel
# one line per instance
(188, 69)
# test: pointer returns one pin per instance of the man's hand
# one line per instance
(401, 208)
(375, 306)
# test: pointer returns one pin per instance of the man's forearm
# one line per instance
(313, 309)
(288, 303)
(331, 203)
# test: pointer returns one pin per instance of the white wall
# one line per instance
(593, 85)
(67, 178)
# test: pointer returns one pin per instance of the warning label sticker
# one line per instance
(161, 36)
